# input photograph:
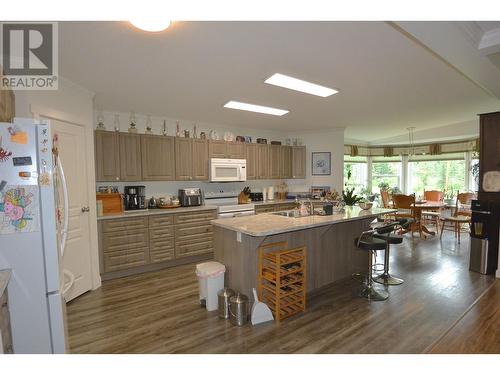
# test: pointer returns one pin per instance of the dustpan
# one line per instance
(260, 311)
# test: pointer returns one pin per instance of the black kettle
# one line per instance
(152, 202)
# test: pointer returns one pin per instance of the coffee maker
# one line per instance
(134, 197)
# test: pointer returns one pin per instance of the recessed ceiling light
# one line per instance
(299, 85)
(255, 108)
(151, 24)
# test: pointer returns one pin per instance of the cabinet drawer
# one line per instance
(125, 258)
(160, 221)
(189, 248)
(264, 209)
(118, 241)
(188, 231)
(161, 233)
(285, 206)
(160, 251)
(195, 217)
(125, 224)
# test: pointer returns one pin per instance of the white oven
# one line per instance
(228, 170)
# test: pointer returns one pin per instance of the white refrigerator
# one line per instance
(31, 239)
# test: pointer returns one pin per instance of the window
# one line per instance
(474, 173)
(355, 173)
(445, 173)
(386, 173)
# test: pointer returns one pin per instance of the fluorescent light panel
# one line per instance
(255, 108)
(299, 85)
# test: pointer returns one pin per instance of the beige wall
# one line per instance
(325, 141)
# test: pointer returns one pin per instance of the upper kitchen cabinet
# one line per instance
(262, 159)
(191, 159)
(273, 165)
(226, 150)
(298, 161)
(286, 162)
(236, 150)
(183, 159)
(251, 156)
(217, 149)
(200, 159)
(107, 156)
(130, 157)
(158, 160)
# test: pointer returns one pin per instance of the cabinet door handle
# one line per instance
(117, 178)
(85, 209)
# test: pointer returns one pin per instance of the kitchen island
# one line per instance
(331, 253)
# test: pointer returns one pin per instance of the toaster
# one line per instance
(190, 197)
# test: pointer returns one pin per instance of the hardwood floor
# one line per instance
(159, 312)
(478, 331)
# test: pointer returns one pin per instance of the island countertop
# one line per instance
(269, 223)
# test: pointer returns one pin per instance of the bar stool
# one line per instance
(384, 233)
(366, 241)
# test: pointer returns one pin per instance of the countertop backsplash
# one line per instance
(164, 188)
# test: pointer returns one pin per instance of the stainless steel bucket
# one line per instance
(238, 309)
(223, 297)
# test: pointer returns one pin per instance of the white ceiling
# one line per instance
(387, 81)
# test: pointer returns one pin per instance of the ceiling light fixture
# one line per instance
(255, 108)
(150, 24)
(296, 84)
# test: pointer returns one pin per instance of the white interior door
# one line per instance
(77, 257)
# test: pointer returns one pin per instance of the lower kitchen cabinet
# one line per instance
(125, 249)
(261, 209)
(131, 245)
(161, 238)
(274, 207)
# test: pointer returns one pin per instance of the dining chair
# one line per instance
(386, 203)
(405, 204)
(432, 216)
(385, 199)
(460, 218)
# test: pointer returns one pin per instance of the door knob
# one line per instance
(86, 209)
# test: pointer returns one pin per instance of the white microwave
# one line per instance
(228, 170)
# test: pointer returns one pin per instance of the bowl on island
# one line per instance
(365, 205)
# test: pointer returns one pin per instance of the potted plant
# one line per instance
(448, 197)
(369, 195)
(383, 186)
(349, 198)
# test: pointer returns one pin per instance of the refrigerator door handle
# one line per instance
(64, 232)
(70, 284)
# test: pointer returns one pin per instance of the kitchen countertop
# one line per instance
(4, 280)
(157, 211)
(269, 224)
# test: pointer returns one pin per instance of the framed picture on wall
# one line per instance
(321, 163)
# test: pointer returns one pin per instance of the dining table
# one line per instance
(425, 205)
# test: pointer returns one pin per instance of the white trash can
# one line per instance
(210, 281)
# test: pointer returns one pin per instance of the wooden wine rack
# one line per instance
(282, 279)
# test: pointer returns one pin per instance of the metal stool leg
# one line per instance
(369, 291)
(385, 278)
